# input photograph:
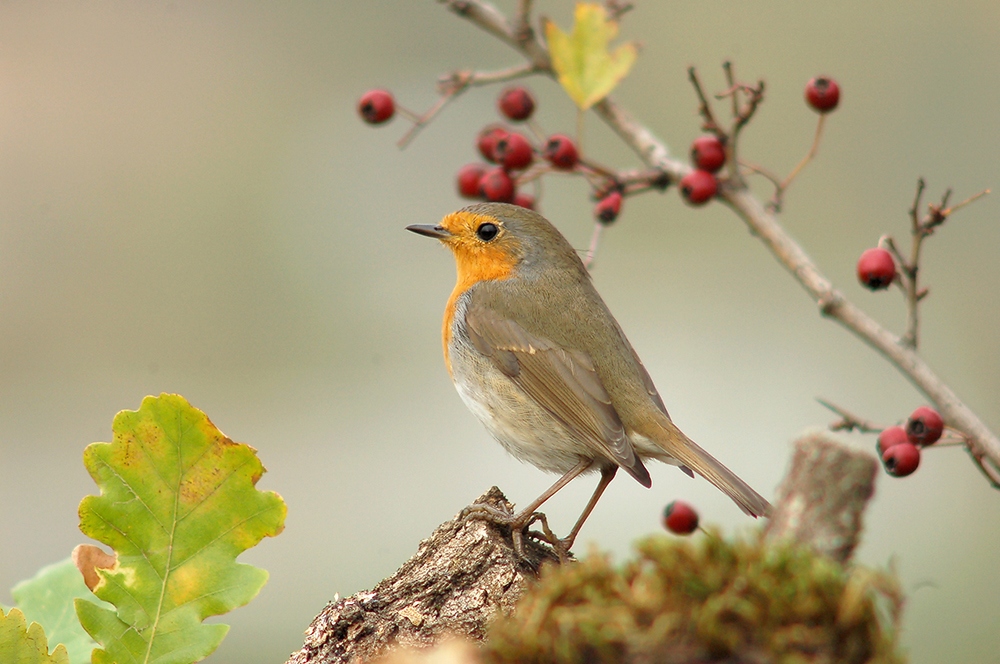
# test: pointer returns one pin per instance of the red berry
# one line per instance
(525, 200)
(901, 460)
(607, 208)
(823, 94)
(487, 141)
(698, 187)
(377, 106)
(925, 426)
(890, 437)
(876, 268)
(496, 185)
(468, 180)
(560, 151)
(680, 518)
(708, 153)
(516, 103)
(514, 152)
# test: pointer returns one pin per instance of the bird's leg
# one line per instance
(607, 474)
(518, 522)
(526, 516)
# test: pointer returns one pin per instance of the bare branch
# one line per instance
(833, 304)
(643, 142)
(489, 18)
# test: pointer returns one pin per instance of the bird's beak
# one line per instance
(437, 232)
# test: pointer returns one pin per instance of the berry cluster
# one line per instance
(708, 155)
(899, 446)
(509, 154)
(514, 159)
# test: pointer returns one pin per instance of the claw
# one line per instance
(519, 525)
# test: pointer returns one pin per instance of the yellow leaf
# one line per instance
(587, 69)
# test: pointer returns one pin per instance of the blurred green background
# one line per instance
(189, 203)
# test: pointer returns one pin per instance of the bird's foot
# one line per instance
(519, 525)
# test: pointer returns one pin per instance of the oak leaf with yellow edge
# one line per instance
(21, 643)
(178, 504)
(587, 69)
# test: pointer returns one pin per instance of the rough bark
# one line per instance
(457, 581)
(823, 496)
(467, 572)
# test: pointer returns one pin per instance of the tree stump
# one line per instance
(458, 580)
(823, 496)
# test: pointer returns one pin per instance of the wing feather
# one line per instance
(562, 381)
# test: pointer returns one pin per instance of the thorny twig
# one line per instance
(983, 444)
(920, 229)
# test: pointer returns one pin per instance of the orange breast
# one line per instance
(475, 261)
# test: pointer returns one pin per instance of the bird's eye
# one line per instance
(487, 231)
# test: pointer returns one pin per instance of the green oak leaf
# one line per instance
(47, 599)
(587, 69)
(23, 644)
(177, 505)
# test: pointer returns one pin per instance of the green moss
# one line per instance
(706, 599)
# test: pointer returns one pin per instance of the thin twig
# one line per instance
(704, 108)
(594, 167)
(754, 96)
(908, 269)
(615, 9)
(760, 170)
(451, 86)
(459, 81)
(971, 199)
(633, 182)
(779, 194)
(595, 239)
(849, 421)
(727, 67)
(421, 121)
(921, 229)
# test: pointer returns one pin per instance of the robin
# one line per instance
(536, 355)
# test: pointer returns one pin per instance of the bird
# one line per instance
(536, 355)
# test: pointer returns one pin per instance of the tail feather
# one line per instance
(690, 454)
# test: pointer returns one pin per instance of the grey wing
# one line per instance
(563, 382)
